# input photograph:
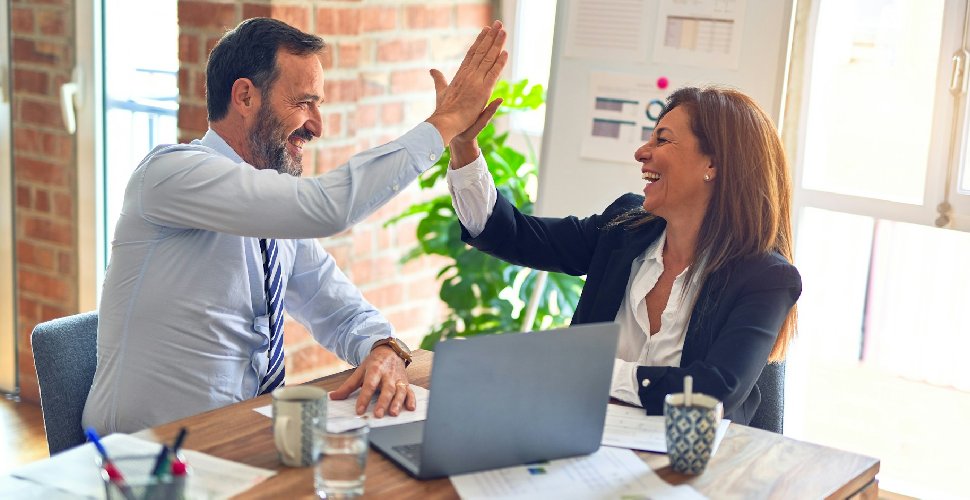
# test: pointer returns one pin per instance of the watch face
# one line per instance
(401, 346)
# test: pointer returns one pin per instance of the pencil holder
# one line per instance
(137, 481)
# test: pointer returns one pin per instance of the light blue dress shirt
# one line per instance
(183, 324)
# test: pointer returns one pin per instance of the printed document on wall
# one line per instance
(623, 111)
(608, 29)
(701, 33)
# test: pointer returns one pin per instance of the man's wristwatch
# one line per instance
(397, 346)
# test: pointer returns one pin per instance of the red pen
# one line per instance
(179, 473)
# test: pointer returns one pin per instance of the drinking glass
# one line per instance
(342, 458)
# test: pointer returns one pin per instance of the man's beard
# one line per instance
(267, 142)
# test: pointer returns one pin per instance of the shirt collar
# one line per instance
(655, 250)
(655, 253)
(214, 141)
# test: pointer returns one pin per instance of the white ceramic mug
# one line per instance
(296, 410)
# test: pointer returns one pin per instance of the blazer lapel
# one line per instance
(699, 332)
(617, 272)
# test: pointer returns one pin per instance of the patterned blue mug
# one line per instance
(691, 430)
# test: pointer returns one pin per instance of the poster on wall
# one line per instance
(608, 29)
(699, 33)
(623, 111)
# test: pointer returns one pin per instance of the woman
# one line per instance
(697, 271)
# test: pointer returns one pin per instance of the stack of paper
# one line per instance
(338, 411)
(610, 473)
(628, 427)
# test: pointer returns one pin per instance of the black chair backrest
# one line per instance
(770, 415)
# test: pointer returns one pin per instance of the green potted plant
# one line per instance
(485, 295)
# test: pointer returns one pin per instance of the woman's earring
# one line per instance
(707, 177)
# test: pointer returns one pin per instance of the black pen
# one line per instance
(161, 462)
(179, 470)
(178, 440)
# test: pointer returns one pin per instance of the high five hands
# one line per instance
(461, 104)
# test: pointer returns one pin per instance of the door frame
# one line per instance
(89, 77)
(8, 313)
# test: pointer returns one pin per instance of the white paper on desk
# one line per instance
(15, 487)
(606, 474)
(628, 427)
(214, 477)
(339, 409)
(76, 470)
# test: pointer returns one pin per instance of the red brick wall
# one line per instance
(377, 87)
(45, 173)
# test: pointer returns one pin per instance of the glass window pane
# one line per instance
(871, 93)
(141, 87)
(907, 285)
(918, 287)
(533, 53)
(832, 315)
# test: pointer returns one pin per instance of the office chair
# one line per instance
(770, 415)
(65, 356)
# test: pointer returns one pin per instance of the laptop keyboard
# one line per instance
(411, 452)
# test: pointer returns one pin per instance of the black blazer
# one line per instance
(733, 326)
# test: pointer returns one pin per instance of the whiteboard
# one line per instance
(607, 59)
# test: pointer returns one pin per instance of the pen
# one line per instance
(178, 440)
(158, 472)
(93, 437)
(179, 473)
(179, 469)
(161, 462)
(114, 475)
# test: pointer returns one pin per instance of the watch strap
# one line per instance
(397, 346)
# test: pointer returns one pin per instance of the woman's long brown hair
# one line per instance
(750, 209)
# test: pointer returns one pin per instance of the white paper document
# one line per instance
(608, 29)
(609, 473)
(628, 427)
(623, 109)
(343, 409)
(76, 470)
(15, 487)
(699, 33)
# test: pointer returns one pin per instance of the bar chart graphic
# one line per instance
(712, 36)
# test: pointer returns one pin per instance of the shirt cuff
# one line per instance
(473, 194)
(424, 144)
(624, 385)
(468, 175)
(371, 334)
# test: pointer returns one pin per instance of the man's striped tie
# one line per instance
(274, 297)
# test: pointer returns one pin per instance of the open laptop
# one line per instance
(501, 400)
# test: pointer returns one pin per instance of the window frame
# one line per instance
(946, 125)
(519, 138)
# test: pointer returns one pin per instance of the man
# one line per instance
(214, 238)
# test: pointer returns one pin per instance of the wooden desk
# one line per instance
(750, 463)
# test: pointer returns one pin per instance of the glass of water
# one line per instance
(342, 458)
